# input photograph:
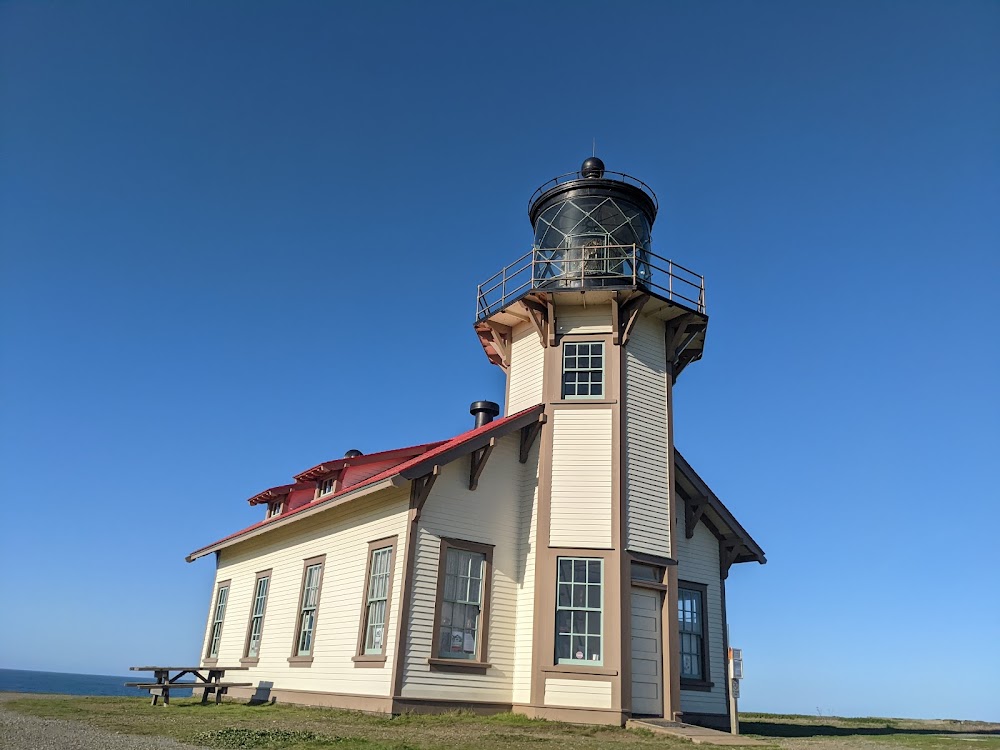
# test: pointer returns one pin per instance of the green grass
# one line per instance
(284, 727)
(236, 725)
(869, 732)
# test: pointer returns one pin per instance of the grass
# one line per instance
(284, 727)
(799, 732)
(237, 725)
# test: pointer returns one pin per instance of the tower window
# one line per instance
(579, 611)
(583, 370)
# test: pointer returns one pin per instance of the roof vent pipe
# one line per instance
(353, 453)
(484, 411)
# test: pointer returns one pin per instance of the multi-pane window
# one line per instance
(462, 604)
(217, 617)
(579, 611)
(257, 616)
(326, 486)
(377, 600)
(274, 509)
(583, 370)
(691, 617)
(307, 611)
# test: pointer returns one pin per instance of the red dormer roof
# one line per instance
(336, 464)
(416, 461)
(274, 493)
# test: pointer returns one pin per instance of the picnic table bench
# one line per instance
(206, 679)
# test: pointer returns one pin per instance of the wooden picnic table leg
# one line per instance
(161, 676)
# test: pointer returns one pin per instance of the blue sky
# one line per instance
(240, 238)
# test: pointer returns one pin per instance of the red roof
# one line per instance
(328, 467)
(444, 451)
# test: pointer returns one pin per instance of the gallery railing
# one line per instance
(590, 267)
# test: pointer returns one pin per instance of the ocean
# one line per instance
(24, 681)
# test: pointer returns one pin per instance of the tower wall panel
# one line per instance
(647, 445)
(582, 456)
(526, 365)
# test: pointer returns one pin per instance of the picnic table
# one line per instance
(207, 679)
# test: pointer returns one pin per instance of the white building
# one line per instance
(563, 561)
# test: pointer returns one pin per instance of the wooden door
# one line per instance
(647, 652)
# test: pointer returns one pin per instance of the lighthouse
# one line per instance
(596, 325)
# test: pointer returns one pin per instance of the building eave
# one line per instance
(749, 551)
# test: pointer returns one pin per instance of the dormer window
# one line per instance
(275, 508)
(325, 486)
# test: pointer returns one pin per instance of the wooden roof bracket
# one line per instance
(626, 314)
(552, 321)
(528, 435)
(539, 316)
(496, 341)
(730, 548)
(420, 490)
(694, 508)
(478, 461)
(502, 337)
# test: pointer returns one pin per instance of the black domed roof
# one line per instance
(592, 167)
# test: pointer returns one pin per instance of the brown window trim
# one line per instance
(438, 664)
(209, 660)
(480, 663)
(247, 660)
(580, 669)
(687, 683)
(697, 685)
(554, 372)
(369, 660)
(360, 658)
(584, 338)
(296, 660)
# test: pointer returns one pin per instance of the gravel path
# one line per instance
(20, 732)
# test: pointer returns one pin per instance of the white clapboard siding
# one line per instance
(578, 693)
(698, 562)
(523, 628)
(647, 519)
(591, 319)
(492, 514)
(342, 534)
(581, 478)
(526, 365)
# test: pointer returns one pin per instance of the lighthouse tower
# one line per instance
(596, 326)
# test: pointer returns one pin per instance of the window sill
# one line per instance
(369, 660)
(249, 661)
(458, 665)
(701, 685)
(581, 669)
(300, 661)
(584, 401)
(209, 662)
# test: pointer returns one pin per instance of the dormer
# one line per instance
(275, 498)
